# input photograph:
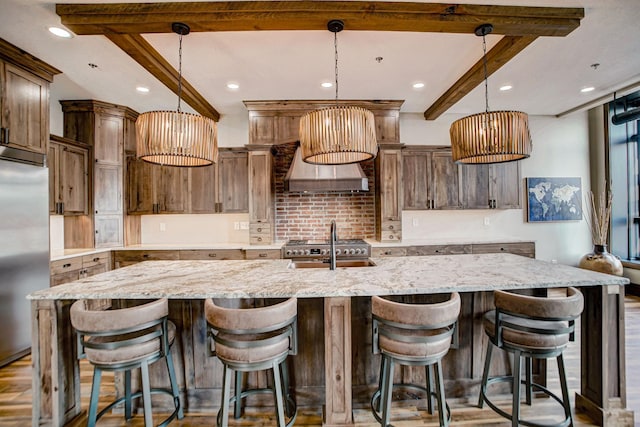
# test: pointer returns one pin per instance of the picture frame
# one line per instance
(552, 199)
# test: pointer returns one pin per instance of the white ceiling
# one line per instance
(546, 77)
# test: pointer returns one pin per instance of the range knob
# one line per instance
(338, 251)
(289, 252)
(325, 251)
(358, 251)
(307, 252)
(295, 252)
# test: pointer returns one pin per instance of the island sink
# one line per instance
(341, 263)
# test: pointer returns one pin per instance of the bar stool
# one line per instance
(254, 339)
(123, 340)
(412, 335)
(531, 328)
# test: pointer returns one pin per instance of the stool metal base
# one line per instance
(516, 380)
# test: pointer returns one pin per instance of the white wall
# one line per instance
(560, 149)
(194, 229)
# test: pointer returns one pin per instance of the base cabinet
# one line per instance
(74, 268)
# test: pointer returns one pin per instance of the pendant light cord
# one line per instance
(486, 77)
(179, 72)
(335, 47)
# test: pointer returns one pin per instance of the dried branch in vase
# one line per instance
(598, 215)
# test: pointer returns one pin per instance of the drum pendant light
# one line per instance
(340, 134)
(175, 138)
(492, 136)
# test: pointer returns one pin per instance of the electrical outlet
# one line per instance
(236, 225)
(244, 225)
(487, 221)
(415, 222)
(163, 226)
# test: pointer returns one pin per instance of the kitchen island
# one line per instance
(340, 300)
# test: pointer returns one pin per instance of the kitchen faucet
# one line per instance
(332, 246)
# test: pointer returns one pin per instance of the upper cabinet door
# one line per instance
(73, 175)
(444, 185)
(416, 172)
(203, 188)
(25, 108)
(474, 184)
(505, 185)
(140, 186)
(233, 182)
(109, 139)
(390, 182)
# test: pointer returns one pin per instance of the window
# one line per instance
(623, 122)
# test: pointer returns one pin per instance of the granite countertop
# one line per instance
(443, 241)
(274, 278)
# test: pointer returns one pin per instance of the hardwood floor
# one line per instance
(15, 397)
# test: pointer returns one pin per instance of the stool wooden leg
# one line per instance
(146, 394)
(95, 396)
(237, 410)
(515, 407)
(442, 415)
(387, 391)
(566, 402)
(427, 370)
(127, 395)
(485, 375)
(279, 395)
(226, 394)
(528, 373)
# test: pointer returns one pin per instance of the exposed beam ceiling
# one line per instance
(124, 22)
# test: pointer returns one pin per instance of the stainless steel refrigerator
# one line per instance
(24, 245)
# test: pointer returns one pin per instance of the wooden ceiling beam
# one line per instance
(124, 22)
(141, 18)
(144, 54)
(500, 54)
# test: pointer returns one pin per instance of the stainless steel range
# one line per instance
(320, 249)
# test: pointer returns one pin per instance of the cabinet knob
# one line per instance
(391, 227)
(96, 231)
(259, 230)
(96, 259)
(66, 266)
(391, 237)
(259, 239)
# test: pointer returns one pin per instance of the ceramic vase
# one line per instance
(602, 261)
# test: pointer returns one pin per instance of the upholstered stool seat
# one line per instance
(254, 339)
(530, 327)
(123, 340)
(412, 335)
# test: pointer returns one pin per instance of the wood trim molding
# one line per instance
(144, 54)
(123, 23)
(500, 54)
(23, 59)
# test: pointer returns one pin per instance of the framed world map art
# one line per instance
(554, 199)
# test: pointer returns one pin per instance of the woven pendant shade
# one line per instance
(174, 138)
(493, 137)
(338, 135)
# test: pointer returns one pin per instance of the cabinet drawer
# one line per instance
(391, 231)
(214, 254)
(65, 277)
(96, 259)
(383, 252)
(263, 254)
(65, 265)
(260, 239)
(439, 250)
(527, 249)
(138, 256)
(263, 228)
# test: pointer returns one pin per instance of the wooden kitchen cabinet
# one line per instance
(494, 186)
(155, 189)
(261, 196)
(221, 187)
(68, 163)
(24, 99)
(74, 268)
(389, 193)
(105, 127)
(430, 179)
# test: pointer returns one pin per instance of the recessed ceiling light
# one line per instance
(142, 89)
(60, 32)
(233, 86)
(418, 85)
(327, 84)
(506, 87)
(587, 89)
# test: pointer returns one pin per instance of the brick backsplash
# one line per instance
(308, 215)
